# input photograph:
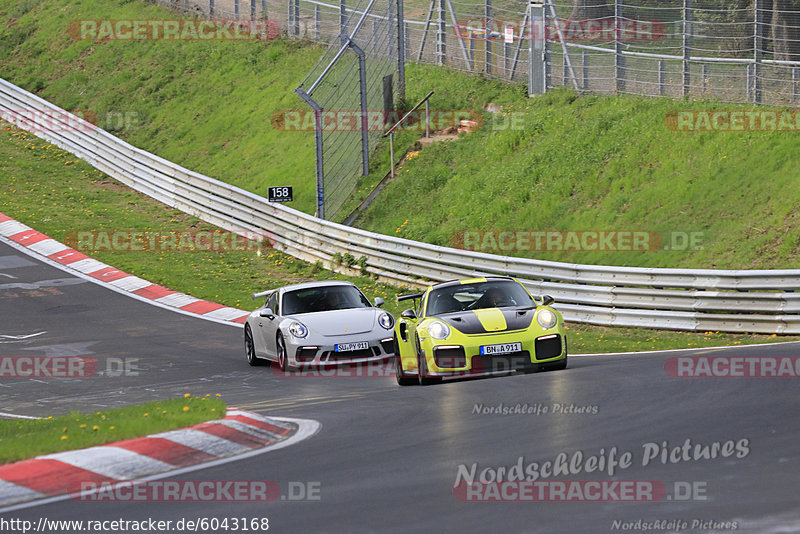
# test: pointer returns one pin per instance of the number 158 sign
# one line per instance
(280, 194)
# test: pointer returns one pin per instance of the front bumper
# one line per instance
(447, 359)
(302, 353)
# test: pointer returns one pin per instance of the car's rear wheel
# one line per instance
(250, 347)
(422, 366)
(403, 379)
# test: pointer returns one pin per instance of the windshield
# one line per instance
(325, 298)
(496, 294)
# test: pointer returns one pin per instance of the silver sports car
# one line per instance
(318, 323)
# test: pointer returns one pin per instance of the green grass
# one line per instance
(21, 439)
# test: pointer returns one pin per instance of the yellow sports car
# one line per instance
(480, 325)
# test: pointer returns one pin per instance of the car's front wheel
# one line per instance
(281, 352)
(403, 379)
(250, 347)
(422, 365)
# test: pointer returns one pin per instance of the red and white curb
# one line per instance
(57, 476)
(66, 258)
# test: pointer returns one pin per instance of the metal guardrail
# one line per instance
(759, 301)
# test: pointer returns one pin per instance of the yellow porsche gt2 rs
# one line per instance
(474, 326)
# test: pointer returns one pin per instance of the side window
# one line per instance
(272, 303)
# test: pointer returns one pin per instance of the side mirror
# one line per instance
(409, 314)
(266, 312)
(547, 300)
(379, 302)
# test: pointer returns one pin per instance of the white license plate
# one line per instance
(503, 348)
(346, 347)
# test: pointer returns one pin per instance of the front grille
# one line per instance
(351, 354)
(514, 361)
(305, 355)
(449, 357)
(548, 347)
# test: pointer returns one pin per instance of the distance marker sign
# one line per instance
(280, 194)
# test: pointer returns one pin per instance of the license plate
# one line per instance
(503, 348)
(346, 347)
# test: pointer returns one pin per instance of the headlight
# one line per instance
(438, 330)
(386, 321)
(546, 319)
(298, 329)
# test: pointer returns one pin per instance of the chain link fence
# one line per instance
(742, 51)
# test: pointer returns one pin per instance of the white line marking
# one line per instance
(17, 416)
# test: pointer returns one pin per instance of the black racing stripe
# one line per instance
(468, 323)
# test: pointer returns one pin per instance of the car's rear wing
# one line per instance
(409, 296)
(263, 294)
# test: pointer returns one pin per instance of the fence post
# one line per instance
(319, 162)
(343, 21)
(402, 37)
(662, 76)
(548, 65)
(538, 75)
(585, 58)
(407, 33)
(687, 30)
(210, 8)
(441, 35)
(505, 56)
(264, 13)
(297, 18)
(564, 73)
(619, 59)
(317, 21)
(758, 48)
(795, 77)
(488, 29)
(705, 77)
(236, 9)
(362, 83)
(252, 9)
(289, 18)
(186, 5)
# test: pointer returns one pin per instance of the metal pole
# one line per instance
(211, 8)
(317, 20)
(537, 51)
(687, 30)
(391, 154)
(236, 9)
(704, 71)
(795, 77)
(425, 31)
(427, 119)
(264, 13)
(488, 27)
(758, 45)
(362, 82)
(290, 18)
(662, 76)
(186, 5)
(472, 50)
(619, 59)
(564, 76)
(319, 164)
(297, 17)
(548, 65)
(441, 36)
(585, 70)
(252, 9)
(460, 37)
(402, 35)
(343, 21)
(525, 22)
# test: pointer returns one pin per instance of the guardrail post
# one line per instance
(441, 35)
(488, 28)
(687, 30)
(758, 48)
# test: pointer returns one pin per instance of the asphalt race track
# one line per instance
(386, 458)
